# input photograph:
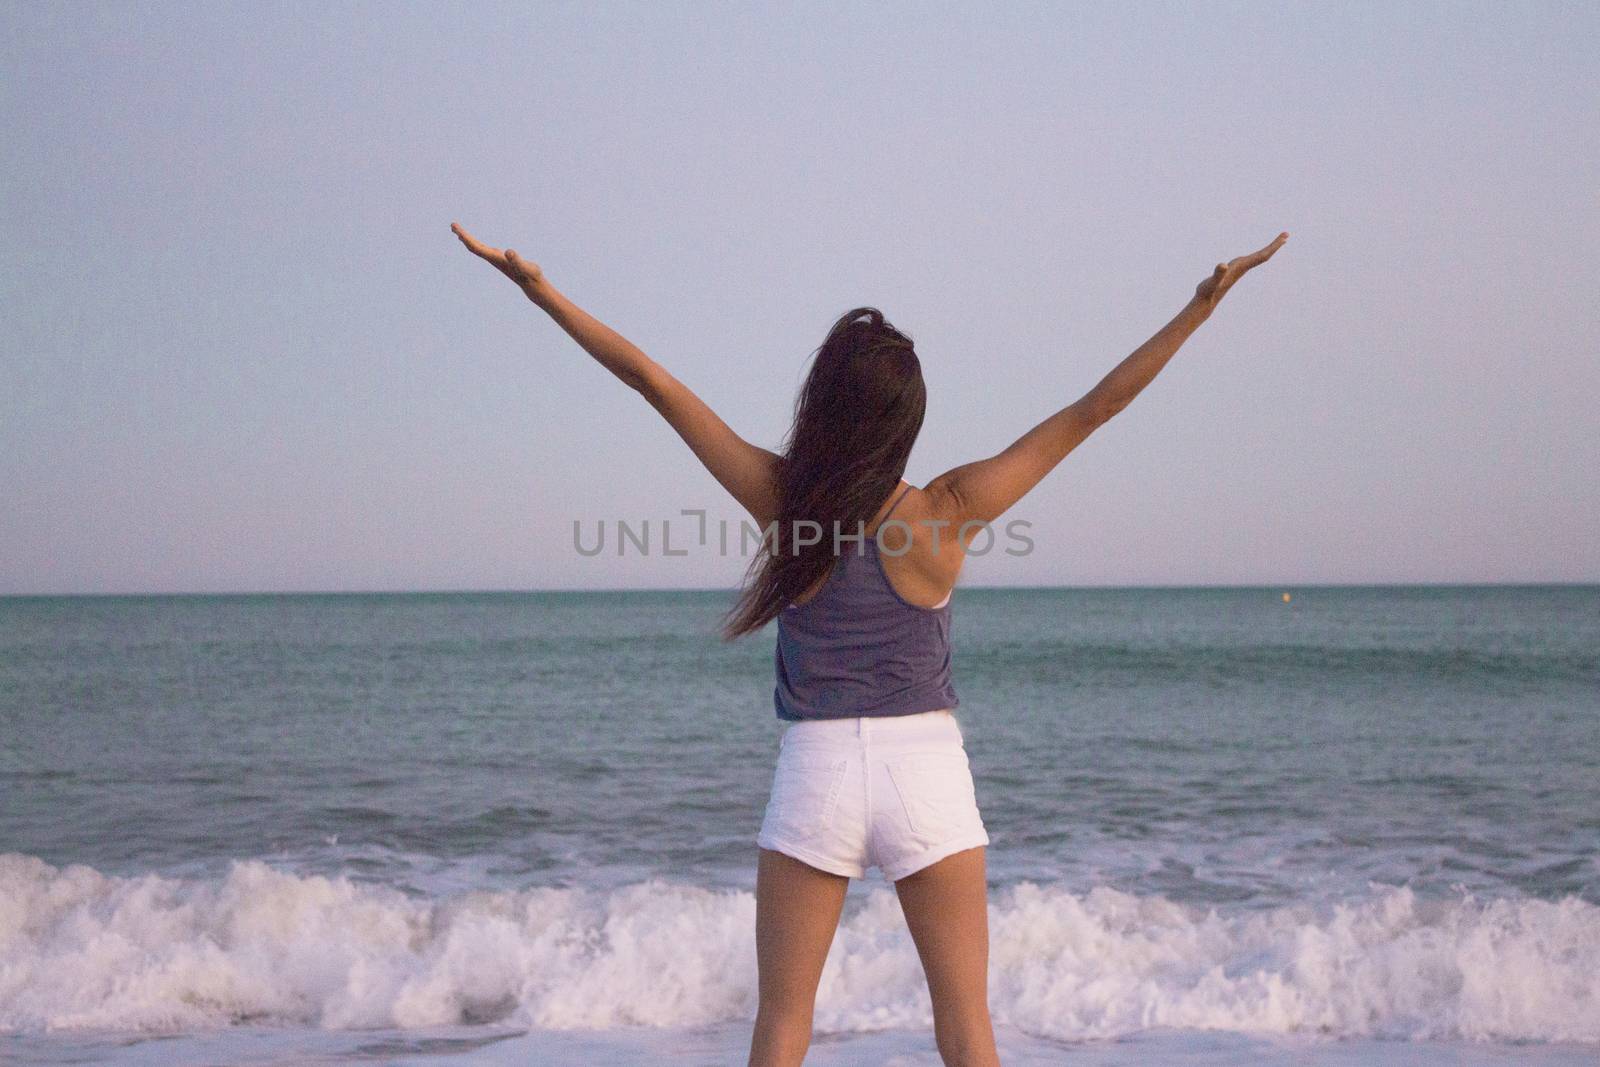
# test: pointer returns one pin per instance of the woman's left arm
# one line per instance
(747, 471)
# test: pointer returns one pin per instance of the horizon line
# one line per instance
(507, 591)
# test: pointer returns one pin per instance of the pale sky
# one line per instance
(240, 349)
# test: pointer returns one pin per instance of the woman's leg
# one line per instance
(797, 913)
(946, 905)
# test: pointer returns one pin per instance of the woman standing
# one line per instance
(872, 770)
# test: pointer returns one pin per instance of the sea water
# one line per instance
(1357, 825)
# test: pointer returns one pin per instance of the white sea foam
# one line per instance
(79, 949)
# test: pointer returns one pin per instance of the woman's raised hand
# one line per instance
(1220, 280)
(524, 272)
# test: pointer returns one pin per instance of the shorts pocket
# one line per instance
(936, 791)
(805, 794)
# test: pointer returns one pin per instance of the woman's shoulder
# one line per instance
(919, 548)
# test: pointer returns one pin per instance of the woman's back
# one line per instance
(856, 647)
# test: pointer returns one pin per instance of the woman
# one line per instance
(871, 770)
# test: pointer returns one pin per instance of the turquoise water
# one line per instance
(1355, 815)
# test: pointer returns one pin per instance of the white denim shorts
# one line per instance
(893, 792)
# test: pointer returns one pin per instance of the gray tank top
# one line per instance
(857, 648)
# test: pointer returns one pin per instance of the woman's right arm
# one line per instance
(981, 492)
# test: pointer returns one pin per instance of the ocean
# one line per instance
(1357, 825)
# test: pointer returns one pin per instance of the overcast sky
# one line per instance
(241, 350)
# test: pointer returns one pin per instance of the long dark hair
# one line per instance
(855, 421)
